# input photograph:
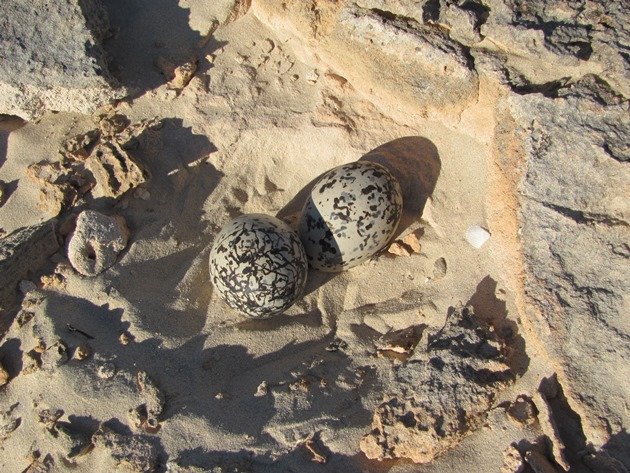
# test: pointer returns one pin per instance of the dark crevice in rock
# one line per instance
(547, 89)
(438, 38)
(561, 37)
(585, 218)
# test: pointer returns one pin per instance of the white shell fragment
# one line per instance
(351, 213)
(258, 265)
(96, 242)
(477, 236)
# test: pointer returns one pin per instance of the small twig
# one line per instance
(74, 329)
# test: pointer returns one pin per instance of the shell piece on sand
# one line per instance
(477, 236)
(96, 242)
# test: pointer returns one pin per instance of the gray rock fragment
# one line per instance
(23, 251)
(51, 57)
(96, 242)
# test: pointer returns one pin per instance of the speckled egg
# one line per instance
(350, 214)
(258, 265)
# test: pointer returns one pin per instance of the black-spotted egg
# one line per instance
(351, 213)
(258, 265)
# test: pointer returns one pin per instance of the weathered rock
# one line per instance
(61, 184)
(23, 251)
(575, 228)
(51, 58)
(96, 242)
(55, 355)
(9, 421)
(443, 396)
(131, 452)
(153, 404)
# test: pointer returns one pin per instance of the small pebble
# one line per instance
(82, 352)
(125, 338)
(262, 390)
(106, 371)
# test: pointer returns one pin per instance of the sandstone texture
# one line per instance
(51, 58)
(96, 242)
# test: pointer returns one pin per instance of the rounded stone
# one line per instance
(351, 213)
(258, 265)
(96, 242)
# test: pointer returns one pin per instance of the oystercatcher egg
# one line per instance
(350, 214)
(258, 265)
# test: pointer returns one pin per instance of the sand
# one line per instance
(271, 106)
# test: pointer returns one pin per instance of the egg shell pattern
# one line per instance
(351, 213)
(258, 265)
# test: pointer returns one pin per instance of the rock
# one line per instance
(82, 352)
(128, 451)
(61, 184)
(106, 371)
(408, 245)
(153, 404)
(575, 222)
(49, 417)
(442, 396)
(97, 161)
(183, 75)
(400, 342)
(113, 169)
(262, 389)
(39, 464)
(9, 421)
(4, 375)
(23, 251)
(523, 410)
(96, 242)
(55, 355)
(51, 58)
(27, 286)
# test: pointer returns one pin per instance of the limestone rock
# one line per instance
(97, 161)
(23, 251)
(575, 228)
(442, 396)
(51, 58)
(131, 452)
(96, 242)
